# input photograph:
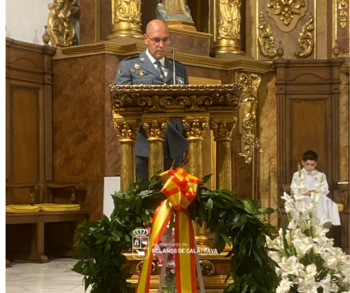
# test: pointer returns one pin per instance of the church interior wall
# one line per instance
(85, 144)
(25, 20)
(85, 141)
(30, 29)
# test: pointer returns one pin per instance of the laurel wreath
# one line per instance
(240, 223)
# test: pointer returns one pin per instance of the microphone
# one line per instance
(174, 75)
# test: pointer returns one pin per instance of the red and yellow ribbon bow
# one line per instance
(180, 189)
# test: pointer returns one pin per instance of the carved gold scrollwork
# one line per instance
(343, 12)
(121, 100)
(126, 130)
(207, 267)
(192, 98)
(227, 99)
(160, 104)
(126, 18)
(155, 103)
(128, 11)
(59, 24)
(155, 129)
(194, 102)
(194, 127)
(306, 42)
(250, 83)
(228, 33)
(286, 8)
(222, 129)
(266, 40)
(230, 19)
(251, 142)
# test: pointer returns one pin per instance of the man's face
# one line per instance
(156, 40)
(309, 165)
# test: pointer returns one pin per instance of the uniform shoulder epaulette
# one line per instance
(132, 57)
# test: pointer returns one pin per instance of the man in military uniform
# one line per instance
(153, 67)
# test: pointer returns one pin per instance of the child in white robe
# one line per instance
(326, 207)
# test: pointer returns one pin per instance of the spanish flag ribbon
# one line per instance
(180, 189)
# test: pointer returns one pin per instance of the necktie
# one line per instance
(159, 69)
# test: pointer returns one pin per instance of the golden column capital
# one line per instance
(126, 129)
(195, 126)
(126, 19)
(155, 128)
(228, 35)
(222, 128)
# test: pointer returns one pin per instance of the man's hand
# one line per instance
(185, 159)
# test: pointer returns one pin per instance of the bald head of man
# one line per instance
(157, 38)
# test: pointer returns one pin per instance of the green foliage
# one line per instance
(101, 243)
(101, 260)
(238, 223)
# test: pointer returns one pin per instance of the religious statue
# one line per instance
(60, 28)
(230, 19)
(174, 9)
(128, 11)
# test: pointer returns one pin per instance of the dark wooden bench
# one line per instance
(32, 225)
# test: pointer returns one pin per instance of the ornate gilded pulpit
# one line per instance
(202, 108)
(199, 106)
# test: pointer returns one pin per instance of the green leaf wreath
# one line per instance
(237, 222)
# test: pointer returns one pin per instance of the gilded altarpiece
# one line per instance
(292, 22)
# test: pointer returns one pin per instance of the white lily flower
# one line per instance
(308, 285)
(293, 224)
(287, 198)
(284, 286)
(331, 263)
(305, 222)
(289, 266)
(301, 247)
(327, 284)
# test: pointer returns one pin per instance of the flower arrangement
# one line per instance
(308, 262)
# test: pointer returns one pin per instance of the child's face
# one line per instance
(309, 165)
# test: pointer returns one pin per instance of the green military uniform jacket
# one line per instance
(140, 70)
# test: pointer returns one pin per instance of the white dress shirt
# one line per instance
(162, 62)
(326, 207)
